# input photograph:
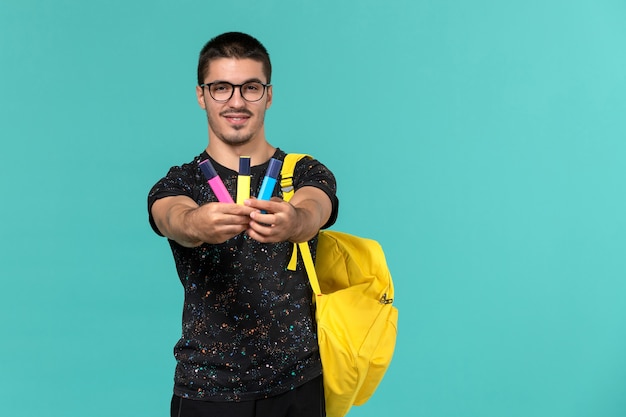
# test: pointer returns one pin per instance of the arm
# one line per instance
(181, 219)
(296, 221)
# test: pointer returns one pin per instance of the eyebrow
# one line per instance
(250, 80)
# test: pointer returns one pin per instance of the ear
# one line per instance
(200, 97)
(268, 103)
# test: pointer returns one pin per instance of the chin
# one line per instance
(237, 140)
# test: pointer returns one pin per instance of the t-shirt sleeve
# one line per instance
(177, 182)
(312, 173)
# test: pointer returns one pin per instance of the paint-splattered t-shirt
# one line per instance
(248, 322)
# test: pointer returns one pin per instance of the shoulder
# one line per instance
(189, 168)
(179, 180)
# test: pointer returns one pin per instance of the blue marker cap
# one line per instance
(274, 169)
(207, 169)
(244, 165)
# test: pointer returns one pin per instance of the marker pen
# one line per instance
(215, 182)
(243, 180)
(269, 181)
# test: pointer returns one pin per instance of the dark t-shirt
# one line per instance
(248, 322)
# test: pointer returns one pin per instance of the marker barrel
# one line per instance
(269, 181)
(215, 182)
(243, 180)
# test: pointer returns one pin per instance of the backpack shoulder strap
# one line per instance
(286, 174)
(287, 188)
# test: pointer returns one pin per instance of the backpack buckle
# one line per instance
(385, 300)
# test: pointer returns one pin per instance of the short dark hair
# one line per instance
(233, 45)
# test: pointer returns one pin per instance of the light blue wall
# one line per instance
(482, 143)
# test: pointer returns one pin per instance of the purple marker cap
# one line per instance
(244, 165)
(207, 169)
(274, 168)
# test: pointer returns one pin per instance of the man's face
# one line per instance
(236, 121)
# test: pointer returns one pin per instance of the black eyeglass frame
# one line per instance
(233, 90)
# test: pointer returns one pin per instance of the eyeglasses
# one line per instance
(222, 91)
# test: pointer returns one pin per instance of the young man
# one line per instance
(248, 345)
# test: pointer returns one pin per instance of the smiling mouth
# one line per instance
(236, 118)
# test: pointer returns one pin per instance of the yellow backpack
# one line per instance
(356, 321)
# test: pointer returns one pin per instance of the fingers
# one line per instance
(222, 221)
(265, 221)
(272, 206)
(228, 208)
(275, 223)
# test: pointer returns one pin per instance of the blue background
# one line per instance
(482, 143)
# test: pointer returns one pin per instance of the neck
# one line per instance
(228, 155)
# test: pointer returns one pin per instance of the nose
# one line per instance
(236, 100)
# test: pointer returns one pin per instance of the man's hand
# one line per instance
(181, 219)
(296, 221)
(279, 223)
